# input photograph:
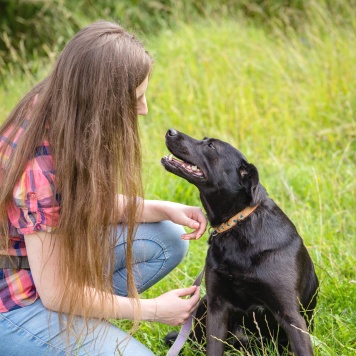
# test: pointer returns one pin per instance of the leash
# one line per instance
(185, 329)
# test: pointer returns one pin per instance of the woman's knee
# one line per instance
(177, 247)
(157, 250)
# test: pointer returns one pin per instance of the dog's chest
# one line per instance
(232, 272)
(231, 257)
(242, 291)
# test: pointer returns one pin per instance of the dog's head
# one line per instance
(222, 174)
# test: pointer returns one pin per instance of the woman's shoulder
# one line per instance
(42, 159)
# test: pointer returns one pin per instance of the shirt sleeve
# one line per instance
(35, 206)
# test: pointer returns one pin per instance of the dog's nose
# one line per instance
(172, 132)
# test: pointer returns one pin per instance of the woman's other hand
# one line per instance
(174, 310)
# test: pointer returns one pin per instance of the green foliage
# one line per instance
(33, 29)
(282, 93)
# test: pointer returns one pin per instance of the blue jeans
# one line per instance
(34, 330)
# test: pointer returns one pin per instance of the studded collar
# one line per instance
(234, 220)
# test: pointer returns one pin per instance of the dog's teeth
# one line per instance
(170, 157)
(194, 168)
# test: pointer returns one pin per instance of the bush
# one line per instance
(34, 29)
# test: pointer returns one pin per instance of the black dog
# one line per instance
(259, 275)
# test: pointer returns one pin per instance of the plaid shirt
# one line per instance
(35, 207)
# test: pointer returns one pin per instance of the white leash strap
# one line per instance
(185, 329)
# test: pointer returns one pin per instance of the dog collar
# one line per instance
(234, 220)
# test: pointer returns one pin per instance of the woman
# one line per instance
(67, 150)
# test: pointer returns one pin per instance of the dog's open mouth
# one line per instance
(176, 162)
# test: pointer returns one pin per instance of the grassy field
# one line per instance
(287, 100)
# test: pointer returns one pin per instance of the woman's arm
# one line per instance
(169, 308)
(159, 210)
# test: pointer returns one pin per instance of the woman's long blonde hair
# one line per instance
(87, 110)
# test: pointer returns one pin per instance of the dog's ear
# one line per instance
(251, 182)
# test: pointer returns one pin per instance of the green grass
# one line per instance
(287, 100)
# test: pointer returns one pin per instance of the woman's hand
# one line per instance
(189, 216)
(172, 309)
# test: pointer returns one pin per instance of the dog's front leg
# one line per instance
(295, 327)
(216, 328)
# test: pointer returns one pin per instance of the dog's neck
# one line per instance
(220, 210)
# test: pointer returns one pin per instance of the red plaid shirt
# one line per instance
(35, 207)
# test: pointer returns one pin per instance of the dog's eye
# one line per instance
(211, 145)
